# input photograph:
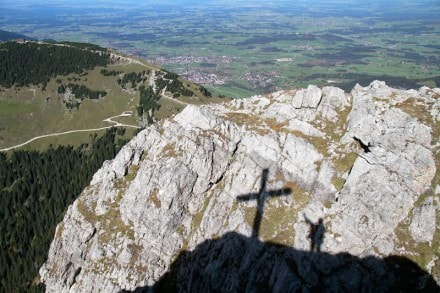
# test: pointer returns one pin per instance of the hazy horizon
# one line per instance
(321, 41)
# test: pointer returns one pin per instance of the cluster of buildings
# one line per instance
(193, 59)
(203, 77)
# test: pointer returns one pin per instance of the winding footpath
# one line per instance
(108, 120)
(166, 97)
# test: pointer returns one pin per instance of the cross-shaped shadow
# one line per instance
(261, 197)
(236, 262)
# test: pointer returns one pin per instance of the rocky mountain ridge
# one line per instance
(362, 165)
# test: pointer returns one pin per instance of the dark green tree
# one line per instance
(35, 190)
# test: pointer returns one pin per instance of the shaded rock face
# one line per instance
(253, 266)
(331, 180)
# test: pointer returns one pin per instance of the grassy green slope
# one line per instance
(30, 111)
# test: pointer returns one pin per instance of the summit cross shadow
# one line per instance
(261, 198)
(236, 263)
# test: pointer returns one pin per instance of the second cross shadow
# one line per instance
(261, 198)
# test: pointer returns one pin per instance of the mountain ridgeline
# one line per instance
(66, 86)
(312, 189)
(11, 36)
(304, 189)
(33, 63)
(76, 87)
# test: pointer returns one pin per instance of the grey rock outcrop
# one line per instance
(423, 224)
(307, 98)
(359, 161)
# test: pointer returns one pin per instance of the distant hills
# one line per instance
(9, 36)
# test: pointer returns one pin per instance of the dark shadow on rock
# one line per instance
(261, 196)
(235, 263)
(316, 234)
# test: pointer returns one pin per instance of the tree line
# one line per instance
(134, 78)
(81, 92)
(35, 190)
(33, 63)
(106, 72)
(148, 102)
(85, 46)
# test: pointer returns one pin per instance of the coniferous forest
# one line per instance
(37, 187)
(81, 91)
(35, 190)
(148, 100)
(33, 63)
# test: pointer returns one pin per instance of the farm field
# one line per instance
(250, 48)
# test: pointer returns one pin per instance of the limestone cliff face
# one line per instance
(364, 163)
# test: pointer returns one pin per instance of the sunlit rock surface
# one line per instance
(364, 163)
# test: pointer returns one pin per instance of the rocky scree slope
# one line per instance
(365, 163)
